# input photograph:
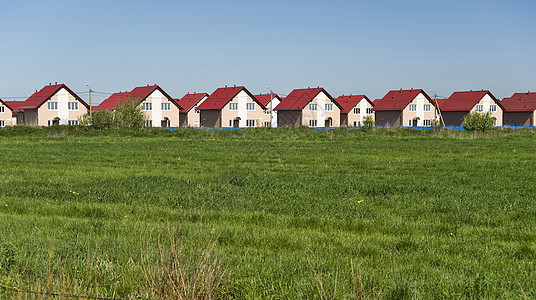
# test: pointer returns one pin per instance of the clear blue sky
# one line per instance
(347, 47)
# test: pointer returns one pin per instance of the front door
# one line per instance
(414, 122)
(164, 123)
(327, 123)
(236, 123)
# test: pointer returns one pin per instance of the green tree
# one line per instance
(478, 121)
(127, 113)
(368, 122)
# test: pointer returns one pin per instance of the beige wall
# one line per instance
(63, 97)
(6, 116)
(420, 100)
(193, 119)
(320, 115)
(358, 118)
(486, 102)
(156, 115)
(242, 98)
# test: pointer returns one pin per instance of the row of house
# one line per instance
(235, 106)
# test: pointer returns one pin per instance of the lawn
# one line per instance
(294, 213)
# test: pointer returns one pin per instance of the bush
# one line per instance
(368, 122)
(478, 121)
(128, 113)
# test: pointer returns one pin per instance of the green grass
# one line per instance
(431, 214)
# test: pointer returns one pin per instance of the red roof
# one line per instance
(137, 94)
(13, 105)
(464, 101)
(221, 96)
(189, 101)
(349, 102)
(39, 97)
(265, 98)
(520, 102)
(299, 98)
(398, 99)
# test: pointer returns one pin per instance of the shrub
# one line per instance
(128, 113)
(368, 122)
(478, 121)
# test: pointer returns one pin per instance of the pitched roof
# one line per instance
(349, 102)
(221, 96)
(137, 94)
(398, 99)
(265, 98)
(13, 105)
(189, 100)
(39, 97)
(520, 102)
(299, 98)
(464, 101)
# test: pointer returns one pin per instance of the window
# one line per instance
(250, 123)
(49, 123)
(427, 122)
(147, 106)
(2, 123)
(267, 111)
(231, 122)
(313, 106)
(233, 106)
(329, 107)
(196, 111)
(493, 108)
(413, 107)
(52, 105)
(73, 122)
(72, 105)
(357, 110)
(166, 106)
(479, 107)
(427, 107)
(313, 123)
(1, 109)
(149, 123)
(267, 124)
(356, 123)
(410, 123)
(250, 106)
(369, 111)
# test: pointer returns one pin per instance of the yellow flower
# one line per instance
(360, 201)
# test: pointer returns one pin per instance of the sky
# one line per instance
(347, 47)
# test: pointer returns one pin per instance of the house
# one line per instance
(54, 104)
(270, 101)
(519, 109)
(189, 115)
(159, 108)
(454, 108)
(354, 109)
(8, 115)
(313, 107)
(231, 107)
(405, 108)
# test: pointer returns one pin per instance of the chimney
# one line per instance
(50, 83)
(56, 83)
(225, 86)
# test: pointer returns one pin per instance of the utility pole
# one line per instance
(90, 108)
(271, 108)
(439, 110)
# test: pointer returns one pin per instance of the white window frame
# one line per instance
(166, 106)
(413, 107)
(357, 110)
(2, 109)
(427, 107)
(479, 108)
(147, 106)
(369, 111)
(196, 111)
(493, 108)
(2, 123)
(356, 123)
(313, 106)
(267, 111)
(233, 106)
(328, 106)
(250, 123)
(313, 123)
(73, 122)
(267, 124)
(250, 106)
(73, 106)
(427, 123)
(231, 123)
(410, 123)
(149, 123)
(52, 106)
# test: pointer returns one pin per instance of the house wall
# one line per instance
(7, 115)
(63, 97)
(156, 115)
(358, 118)
(389, 118)
(193, 119)
(210, 118)
(242, 98)
(521, 118)
(320, 115)
(486, 101)
(420, 100)
(183, 120)
(344, 119)
(288, 118)
(453, 118)
(273, 114)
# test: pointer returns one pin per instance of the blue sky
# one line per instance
(347, 47)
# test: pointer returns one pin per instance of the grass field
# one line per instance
(295, 213)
